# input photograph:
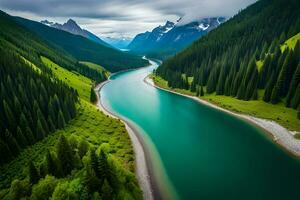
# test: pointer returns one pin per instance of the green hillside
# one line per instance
(246, 56)
(54, 144)
(96, 67)
(81, 83)
(83, 49)
(291, 42)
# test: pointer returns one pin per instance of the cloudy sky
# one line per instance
(125, 18)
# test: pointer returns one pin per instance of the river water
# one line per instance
(205, 153)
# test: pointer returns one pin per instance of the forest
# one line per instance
(83, 49)
(244, 55)
(50, 146)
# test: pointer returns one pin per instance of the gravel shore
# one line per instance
(143, 172)
(280, 135)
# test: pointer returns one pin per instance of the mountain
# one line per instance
(84, 49)
(120, 43)
(244, 57)
(72, 27)
(169, 39)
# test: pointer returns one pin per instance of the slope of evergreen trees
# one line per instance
(225, 61)
(97, 176)
(83, 49)
(32, 105)
(31, 47)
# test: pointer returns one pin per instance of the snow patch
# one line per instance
(203, 27)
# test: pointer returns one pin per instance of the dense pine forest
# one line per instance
(54, 144)
(33, 105)
(244, 55)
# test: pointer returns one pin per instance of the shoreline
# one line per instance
(143, 167)
(280, 135)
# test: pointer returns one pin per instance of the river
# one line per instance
(203, 152)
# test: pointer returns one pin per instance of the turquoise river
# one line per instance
(205, 153)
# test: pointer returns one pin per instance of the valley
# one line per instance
(131, 100)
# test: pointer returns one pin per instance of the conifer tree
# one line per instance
(29, 135)
(60, 120)
(193, 86)
(296, 99)
(50, 124)
(41, 118)
(9, 116)
(293, 86)
(50, 164)
(40, 132)
(201, 91)
(21, 138)
(65, 155)
(94, 162)
(93, 96)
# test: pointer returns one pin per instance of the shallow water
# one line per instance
(206, 153)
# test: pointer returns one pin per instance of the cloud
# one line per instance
(127, 17)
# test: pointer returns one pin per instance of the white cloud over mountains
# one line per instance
(122, 17)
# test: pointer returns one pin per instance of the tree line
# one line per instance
(97, 178)
(32, 105)
(226, 61)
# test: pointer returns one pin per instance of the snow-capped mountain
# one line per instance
(120, 43)
(72, 27)
(166, 40)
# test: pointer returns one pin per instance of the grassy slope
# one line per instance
(291, 43)
(97, 67)
(32, 65)
(90, 124)
(287, 117)
(75, 80)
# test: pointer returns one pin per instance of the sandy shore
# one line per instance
(280, 135)
(144, 169)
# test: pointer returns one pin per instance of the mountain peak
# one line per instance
(72, 24)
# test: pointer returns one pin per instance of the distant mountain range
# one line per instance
(164, 41)
(82, 48)
(120, 43)
(72, 27)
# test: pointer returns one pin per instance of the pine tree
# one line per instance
(201, 91)
(40, 132)
(50, 124)
(293, 86)
(269, 88)
(296, 99)
(23, 121)
(41, 118)
(275, 94)
(60, 120)
(103, 167)
(29, 135)
(93, 96)
(50, 164)
(193, 86)
(21, 138)
(9, 116)
(33, 173)
(94, 162)
(65, 155)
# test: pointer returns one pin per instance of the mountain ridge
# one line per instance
(172, 37)
(71, 26)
